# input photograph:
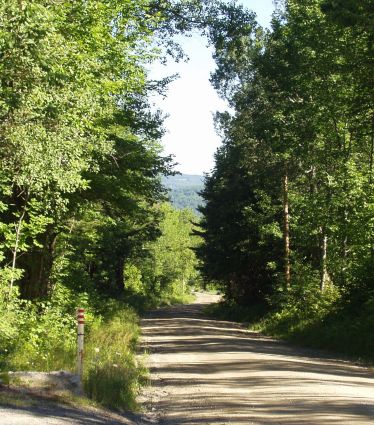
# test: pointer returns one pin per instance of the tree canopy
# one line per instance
(290, 199)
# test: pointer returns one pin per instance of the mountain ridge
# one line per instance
(184, 190)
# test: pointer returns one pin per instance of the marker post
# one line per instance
(80, 318)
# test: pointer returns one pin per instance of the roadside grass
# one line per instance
(142, 303)
(346, 331)
(226, 310)
(44, 340)
(211, 288)
(113, 376)
(350, 334)
(182, 298)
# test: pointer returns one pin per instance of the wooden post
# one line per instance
(80, 318)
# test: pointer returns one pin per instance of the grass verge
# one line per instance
(346, 331)
(112, 374)
(45, 340)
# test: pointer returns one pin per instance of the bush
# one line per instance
(295, 309)
(229, 310)
(31, 332)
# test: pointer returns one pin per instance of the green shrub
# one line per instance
(40, 335)
(229, 310)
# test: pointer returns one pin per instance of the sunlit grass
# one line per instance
(112, 374)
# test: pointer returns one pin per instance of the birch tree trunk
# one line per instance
(323, 260)
(15, 250)
(286, 232)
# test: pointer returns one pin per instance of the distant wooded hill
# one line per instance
(184, 190)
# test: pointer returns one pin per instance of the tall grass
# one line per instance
(112, 375)
(41, 336)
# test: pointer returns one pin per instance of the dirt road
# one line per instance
(215, 372)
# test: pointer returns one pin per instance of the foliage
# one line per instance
(72, 103)
(31, 340)
(288, 216)
(80, 182)
(186, 198)
(287, 223)
(31, 332)
(167, 266)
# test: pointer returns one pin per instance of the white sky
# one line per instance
(191, 100)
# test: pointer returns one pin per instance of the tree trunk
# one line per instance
(15, 249)
(37, 263)
(323, 260)
(119, 275)
(286, 232)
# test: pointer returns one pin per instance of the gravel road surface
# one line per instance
(205, 371)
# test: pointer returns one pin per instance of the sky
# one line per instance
(191, 100)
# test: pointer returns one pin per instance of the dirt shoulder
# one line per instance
(23, 407)
(206, 371)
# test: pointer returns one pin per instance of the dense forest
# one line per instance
(184, 191)
(288, 224)
(287, 214)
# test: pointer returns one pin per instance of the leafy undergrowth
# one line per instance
(342, 330)
(312, 320)
(112, 375)
(229, 310)
(41, 336)
(142, 302)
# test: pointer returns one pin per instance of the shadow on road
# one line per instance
(216, 372)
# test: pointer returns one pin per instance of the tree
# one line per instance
(302, 117)
(68, 68)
